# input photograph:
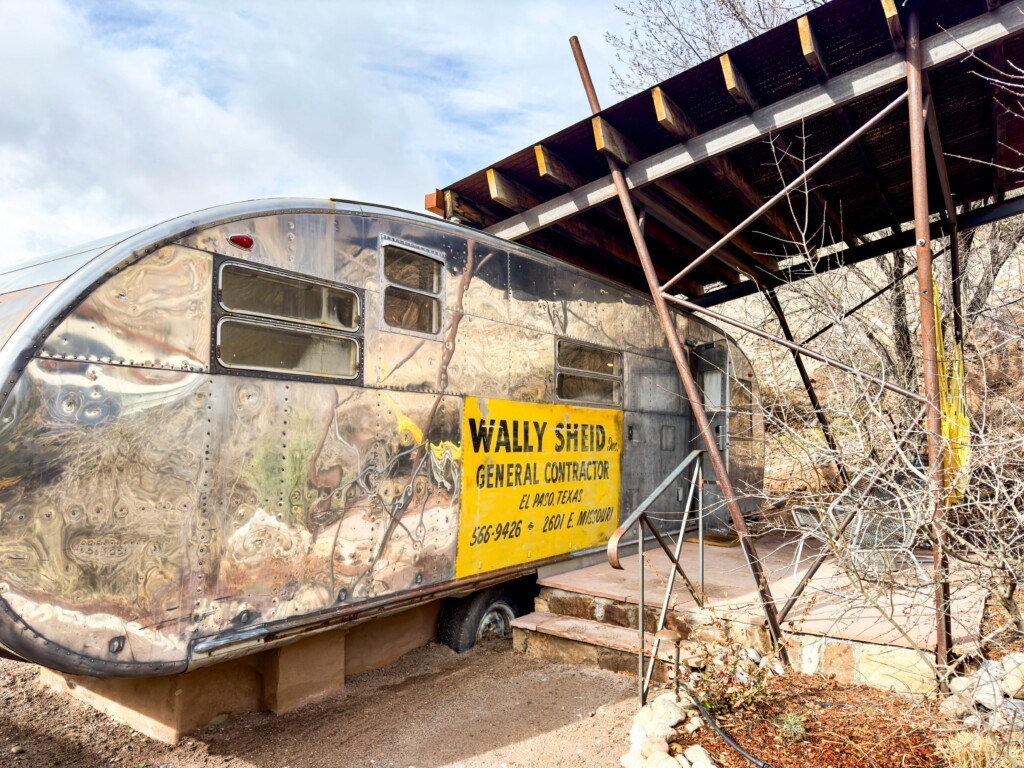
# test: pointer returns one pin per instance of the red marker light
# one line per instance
(241, 241)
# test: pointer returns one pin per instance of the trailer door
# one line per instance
(712, 363)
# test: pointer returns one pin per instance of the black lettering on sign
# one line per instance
(515, 437)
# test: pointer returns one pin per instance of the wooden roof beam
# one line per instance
(610, 141)
(892, 20)
(815, 58)
(744, 95)
(942, 48)
(556, 170)
(516, 197)
(679, 124)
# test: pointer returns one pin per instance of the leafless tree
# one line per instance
(664, 37)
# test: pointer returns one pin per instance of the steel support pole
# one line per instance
(683, 365)
(826, 428)
(933, 414)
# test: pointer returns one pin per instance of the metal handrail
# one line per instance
(639, 518)
(623, 529)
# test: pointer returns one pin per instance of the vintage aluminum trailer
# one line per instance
(252, 423)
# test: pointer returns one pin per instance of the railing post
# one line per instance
(640, 608)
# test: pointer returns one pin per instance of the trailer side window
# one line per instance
(588, 374)
(412, 293)
(254, 292)
(287, 324)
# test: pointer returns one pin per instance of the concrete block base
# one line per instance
(279, 680)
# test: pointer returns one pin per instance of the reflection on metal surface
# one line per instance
(16, 306)
(152, 504)
(155, 313)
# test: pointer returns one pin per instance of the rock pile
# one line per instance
(991, 697)
(654, 728)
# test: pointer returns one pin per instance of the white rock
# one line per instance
(974, 722)
(661, 760)
(636, 738)
(651, 746)
(632, 760)
(754, 655)
(667, 712)
(694, 724)
(987, 692)
(644, 716)
(777, 668)
(699, 757)
(955, 706)
(683, 762)
(659, 730)
(1012, 682)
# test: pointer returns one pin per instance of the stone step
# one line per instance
(691, 624)
(574, 640)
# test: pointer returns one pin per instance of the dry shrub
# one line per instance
(970, 750)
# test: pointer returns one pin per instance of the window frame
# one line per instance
(220, 314)
(323, 284)
(383, 241)
(620, 378)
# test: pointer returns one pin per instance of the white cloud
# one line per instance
(118, 114)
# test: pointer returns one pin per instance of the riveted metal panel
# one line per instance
(100, 479)
(532, 366)
(532, 300)
(654, 385)
(155, 313)
(296, 242)
(481, 358)
(324, 496)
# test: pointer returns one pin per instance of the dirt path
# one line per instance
(489, 707)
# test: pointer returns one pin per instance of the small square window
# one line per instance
(412, 290)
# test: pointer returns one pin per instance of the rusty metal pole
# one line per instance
(683, 365)
(826, 427)
(933, 414)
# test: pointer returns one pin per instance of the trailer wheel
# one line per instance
(480, 616)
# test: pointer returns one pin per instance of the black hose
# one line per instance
(722, 734)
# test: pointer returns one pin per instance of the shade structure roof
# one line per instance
(705, 148)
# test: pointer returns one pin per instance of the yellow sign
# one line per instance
(537, 481)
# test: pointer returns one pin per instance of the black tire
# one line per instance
(466, 620)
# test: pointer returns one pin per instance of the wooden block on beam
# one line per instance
(892, 19)
(509, 193)
(610, 142)
(464, 209)
(736, 85)
(811, 49)
(552, 168)
(671, 117)
(434, 202)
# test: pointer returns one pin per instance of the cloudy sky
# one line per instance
(117, 113)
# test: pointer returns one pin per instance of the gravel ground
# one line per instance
(433, 708)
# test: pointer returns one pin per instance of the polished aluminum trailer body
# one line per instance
(166, 504)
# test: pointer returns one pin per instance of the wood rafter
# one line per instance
(516, 197)
(815, 58)
(672, 118)
(743, 95)
(551, 167)
(610, 141)
(892, 20)
(944, 47)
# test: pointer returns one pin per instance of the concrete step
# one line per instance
(575, 640)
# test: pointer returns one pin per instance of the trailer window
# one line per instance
(263, 347)
(266, 294)
(588, 374)
(412, 297)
